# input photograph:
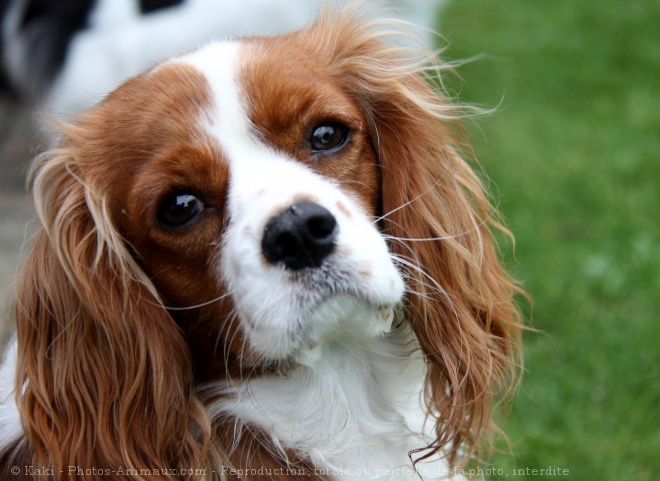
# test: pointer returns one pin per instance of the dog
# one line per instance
(265, 259)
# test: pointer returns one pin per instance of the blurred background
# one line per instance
(17, 141)
(573, 152)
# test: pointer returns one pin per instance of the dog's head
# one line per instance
(231, 210)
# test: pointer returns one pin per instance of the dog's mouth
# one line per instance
(308, 344)
(320, 320)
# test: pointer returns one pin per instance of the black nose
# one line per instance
(302, 235)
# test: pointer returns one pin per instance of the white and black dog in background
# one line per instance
(64, 55)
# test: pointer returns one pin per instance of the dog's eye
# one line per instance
(179, 209)
(327, 137)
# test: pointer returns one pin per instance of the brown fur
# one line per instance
(437, 215)
(110, 374)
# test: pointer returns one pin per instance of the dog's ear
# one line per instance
(104, 375)
(460, 300)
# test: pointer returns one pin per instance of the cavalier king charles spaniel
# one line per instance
(265, 259)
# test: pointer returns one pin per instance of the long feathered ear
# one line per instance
(104, 378)
(438, 219)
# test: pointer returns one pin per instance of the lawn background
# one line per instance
(574, 153)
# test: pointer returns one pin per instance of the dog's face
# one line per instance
(229, 212)
(247, 183)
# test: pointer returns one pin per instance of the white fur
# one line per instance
(122, 42)
(10, 421)
(352, 400)
(354, 409)
(351, 397)
(358, 286)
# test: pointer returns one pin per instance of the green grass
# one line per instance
(574, 150)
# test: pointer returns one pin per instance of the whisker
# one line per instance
(477, 225)
(428, 286)
(203, 304)
(232, 316)
(411, 201)
(384, 216)
(434, 283)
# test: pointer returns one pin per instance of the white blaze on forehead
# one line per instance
(253, 164)
(220, 64)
